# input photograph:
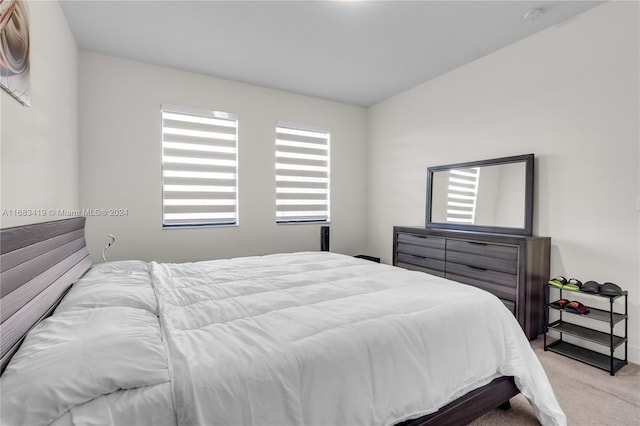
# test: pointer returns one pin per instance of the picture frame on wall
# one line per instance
(15, 65)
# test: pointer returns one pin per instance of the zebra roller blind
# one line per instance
(199, 167)
(302, 174)
(463, 195)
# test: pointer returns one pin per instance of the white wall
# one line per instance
(120, 152)
(39, 144)
(568, 94)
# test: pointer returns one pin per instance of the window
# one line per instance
(463, 191)
(302, 174)
(199, 167)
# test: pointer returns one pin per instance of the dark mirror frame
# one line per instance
(527, 159)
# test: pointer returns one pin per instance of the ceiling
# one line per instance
(356, 52)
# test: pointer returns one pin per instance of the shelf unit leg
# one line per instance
(546, 315)
(561, 315)
(611, 334)
(626, 324)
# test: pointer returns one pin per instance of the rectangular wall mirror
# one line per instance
(487, 196)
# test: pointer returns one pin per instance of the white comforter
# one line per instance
(325, 339)
(306, 338)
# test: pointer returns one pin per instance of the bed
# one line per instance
(312, 338)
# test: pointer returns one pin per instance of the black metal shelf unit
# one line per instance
(610, 340)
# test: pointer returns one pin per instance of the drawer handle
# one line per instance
(477, 243)
(476, 267)
(415, 256)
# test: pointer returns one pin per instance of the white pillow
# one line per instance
(134, 291)
(119, 267)
(75, 356)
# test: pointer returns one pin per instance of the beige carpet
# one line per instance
(587, 395)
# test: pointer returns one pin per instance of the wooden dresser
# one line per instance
(513, 267)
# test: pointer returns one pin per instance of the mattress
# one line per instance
(312, 338)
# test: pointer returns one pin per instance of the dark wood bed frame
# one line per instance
(40, 262)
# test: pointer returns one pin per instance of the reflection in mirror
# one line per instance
(484, 196)
(489, 196)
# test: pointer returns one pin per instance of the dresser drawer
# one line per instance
(419, 263)
(492, 257)
(422, 241)
(481, 275)
(422, 251)
(501, 291)
(497, 251)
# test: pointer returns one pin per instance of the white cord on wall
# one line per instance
(104, 250)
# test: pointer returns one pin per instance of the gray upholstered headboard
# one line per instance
(38, 264)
